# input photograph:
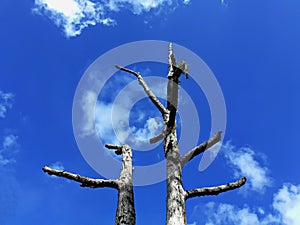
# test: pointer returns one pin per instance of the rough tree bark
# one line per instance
(125, 214)
(176, 195)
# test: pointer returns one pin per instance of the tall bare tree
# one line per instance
(125, 214)
(176, 194)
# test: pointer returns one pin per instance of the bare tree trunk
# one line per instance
(125, 211)
(175, 193)
(125, 214)
(176, 214)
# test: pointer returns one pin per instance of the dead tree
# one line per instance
(176, 195)
(125, 214)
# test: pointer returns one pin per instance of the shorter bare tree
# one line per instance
(125, 214)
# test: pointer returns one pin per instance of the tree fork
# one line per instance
(176, 195)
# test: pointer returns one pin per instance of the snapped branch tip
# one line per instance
(118, 149)
(118, 67)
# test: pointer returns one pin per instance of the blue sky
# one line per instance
(253, 49)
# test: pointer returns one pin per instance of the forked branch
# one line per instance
(200, 148)
(148, 91)
(215, 190)
(85, 181)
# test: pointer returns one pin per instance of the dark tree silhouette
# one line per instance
(176, 195)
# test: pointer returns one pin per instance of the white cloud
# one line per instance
(57, 166)
(186, 2)
(151, 128)
(117, 132)
(245, 162)
(9, 141)
(86, 101)
(219, 214)
(115, 120)
(73, 15)
(224, 2)
(285, 210)
(138, 6)
(103, 123)
(8, 150)
(287, 203)
(5, 102)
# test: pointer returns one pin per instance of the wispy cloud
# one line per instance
(138, 6)
(75, 15)
(186, 2)
(87, 100)
(8, 150)
(245, 162)
(287, 203)
(6, 100)
(57, 166)
(112, 127)
(118, 118)
(284, 210)
(222, 213)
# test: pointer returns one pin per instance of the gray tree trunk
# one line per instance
(176, 214)
(125, 214)
(176, 195)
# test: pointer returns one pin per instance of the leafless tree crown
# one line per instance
(176, 194)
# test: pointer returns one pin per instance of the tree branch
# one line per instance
(157, 138)
(148, 91)
(110, 146)
(200, 148)
(118, 149)
(85, 181)
(215, 190)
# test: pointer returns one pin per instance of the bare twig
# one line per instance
(215, 190)
(85, 181)
(148, 91)
(200, 148)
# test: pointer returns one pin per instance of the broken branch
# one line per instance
(148, 91)
(157, 138)
(200, 148)
(215, 190)
(118, 149)
(85, 181)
